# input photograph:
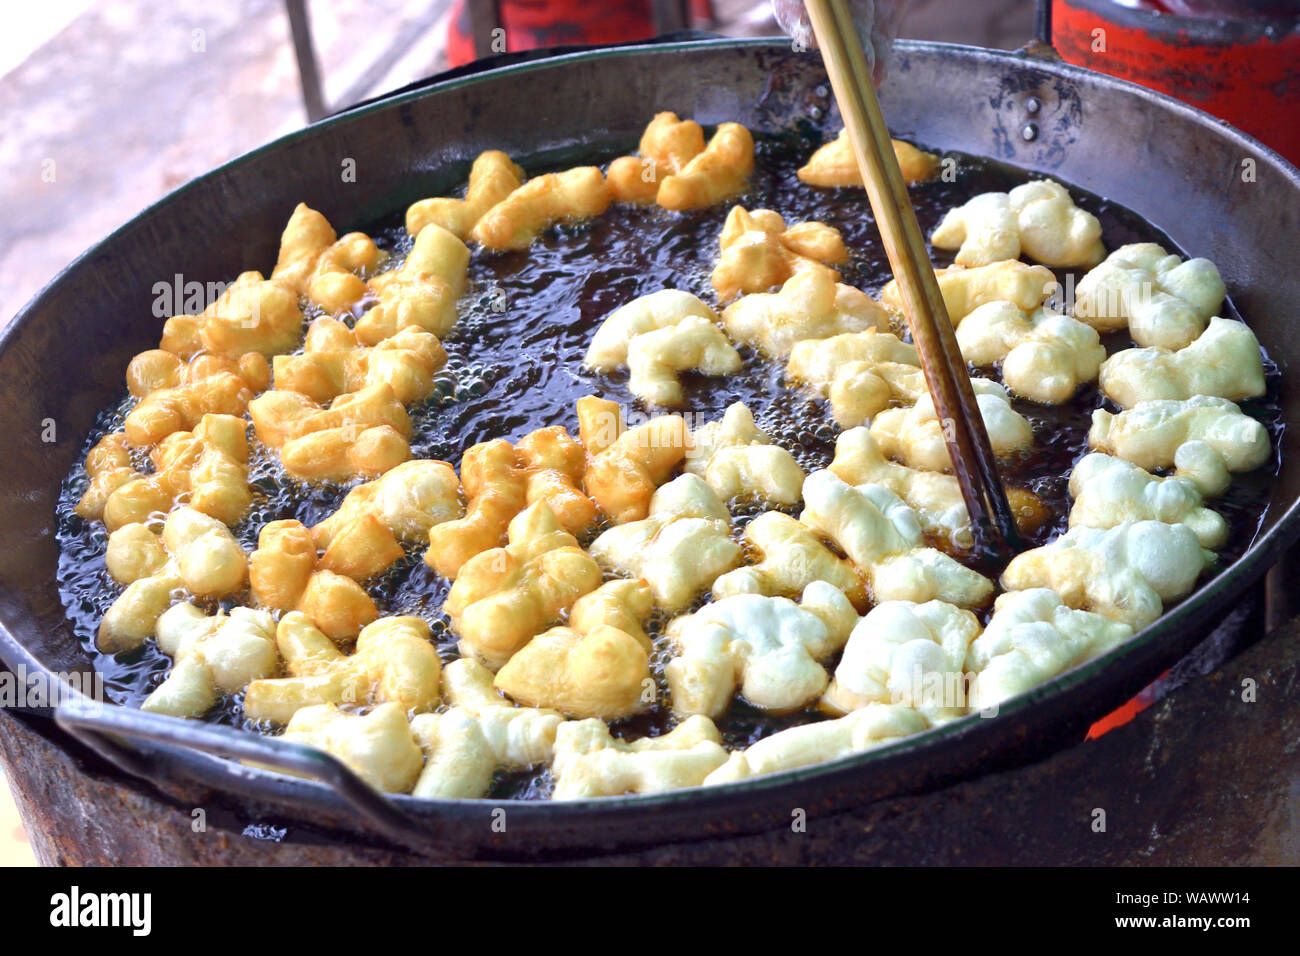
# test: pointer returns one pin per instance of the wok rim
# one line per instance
(1161, 638)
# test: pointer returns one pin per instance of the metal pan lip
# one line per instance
(831, 779)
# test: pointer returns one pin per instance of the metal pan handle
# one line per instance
(96, 725)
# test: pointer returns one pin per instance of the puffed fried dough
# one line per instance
(280, 416)
(517, 220)
(211, 656)
(872, 726)
(492, 178)
(657, 336)
(458, 760)
(361, 549)
(379, 746)
(590, 762)
(465, 745)
(203, 558)
(715, 174)
(609, 345)
(170, 410)
(810, 305)
(1030, 639)
(736, 428)
(791, 558)
(108, 465)
(655, 359)
(336, 604)
(284, 575)
(394, 661)
(554, 465)
(134, 552)
(546, 465)
(833, 164)
(1203, 438)
(679, 548)
(735, 458)
(882, 537)
(1046, 357)
(155, 369)
(909, 654)
(915, 435)
(625, 466)
(622, 604)
(519, 736)
(407, 361)
(1109, 491)
(1124, 573)
(1037, 219)
(494, 485)
(252, 315)
(935, 497)
(422, 292)
(408, 500)
(768, 648)
(603, 673)
(1164, 301)
(339, 454)
(503, 597)
(207, 467)
(757, 253)
(315, 263)
(667, 145)
(1225, 361)
(360, 433)
(278, 570)
(176, 397)
(964, 290)
(860, 372)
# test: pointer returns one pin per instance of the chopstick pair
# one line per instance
(992, 520)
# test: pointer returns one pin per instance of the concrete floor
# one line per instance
(108, 105)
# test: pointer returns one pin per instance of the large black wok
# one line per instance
(63, 359)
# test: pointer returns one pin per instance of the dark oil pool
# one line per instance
(515, 364)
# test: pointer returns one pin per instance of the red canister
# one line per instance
(1238, 60)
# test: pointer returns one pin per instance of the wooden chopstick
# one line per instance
(992, 519)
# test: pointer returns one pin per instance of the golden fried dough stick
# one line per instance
(758, 253)
(833, 164)
(517, 220)
(627, 465)
(394, 661)
(503, 597)
(334, 362)
(284, 574)
(492, 178)
(667, 145)
(500, 481)
(314, 263)
(423, 292)
(252, 315)
(174, 396)
(603, 673)
(718, 172)
(362, 432)
(494, 486)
